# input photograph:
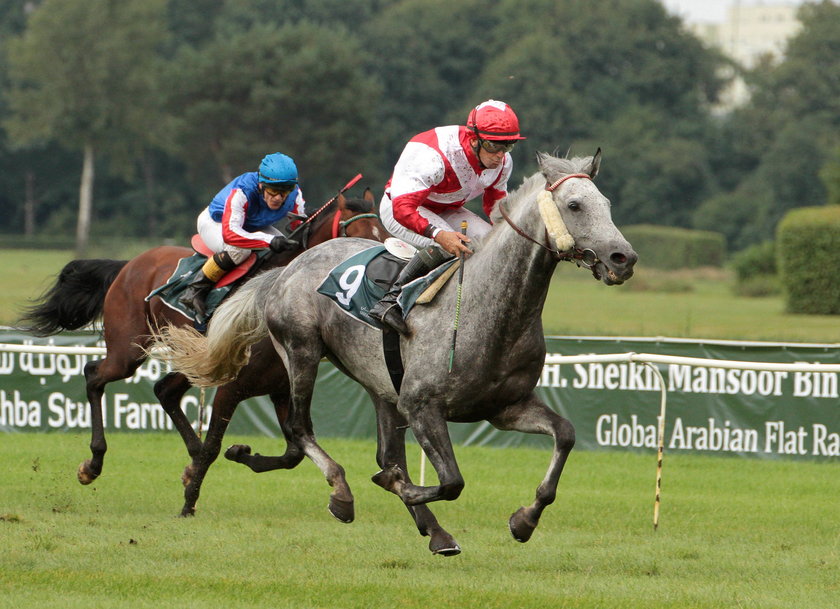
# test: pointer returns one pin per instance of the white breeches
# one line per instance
(211, 233)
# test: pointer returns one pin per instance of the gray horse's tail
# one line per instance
(217, 358)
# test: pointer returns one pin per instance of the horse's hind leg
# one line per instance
(99, 373)
(223, 407)
(169, 391)
(390, 426)
(303, 369)
(533, 416)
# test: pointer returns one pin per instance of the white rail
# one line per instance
(649, 359)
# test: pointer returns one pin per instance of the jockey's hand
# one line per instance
(453, 242)
(281, 243)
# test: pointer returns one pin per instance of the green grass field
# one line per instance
(733, 533)
(687, 304)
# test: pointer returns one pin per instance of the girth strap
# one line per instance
(393, 357)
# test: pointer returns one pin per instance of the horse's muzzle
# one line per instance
(617, 269)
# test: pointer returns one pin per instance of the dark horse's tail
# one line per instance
(75, 300)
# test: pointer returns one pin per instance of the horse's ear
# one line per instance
(342, 201)
(368, 196)
(541, 162)
(595, 165)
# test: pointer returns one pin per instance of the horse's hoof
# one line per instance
(85, 474)
(188, 511)
(187, 476)
(521, 527)
(388, 478)
(444, 544)
(342, 510)
(236, 452)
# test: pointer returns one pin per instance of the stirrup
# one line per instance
(393, 318)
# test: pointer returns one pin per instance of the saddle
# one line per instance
(240, 270)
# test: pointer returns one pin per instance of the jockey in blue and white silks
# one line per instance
(240, 218)
(244, 217)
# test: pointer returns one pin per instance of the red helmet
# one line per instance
(494, 120)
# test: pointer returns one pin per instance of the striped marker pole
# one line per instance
(661, 444)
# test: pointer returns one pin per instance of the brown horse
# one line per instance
(116, 290)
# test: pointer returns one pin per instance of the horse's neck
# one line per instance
(320, 229)
(513, 272)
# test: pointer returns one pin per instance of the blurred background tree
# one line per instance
(83, 77)
(172, 98)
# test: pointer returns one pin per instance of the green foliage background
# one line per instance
(807, 241)
(178, 96)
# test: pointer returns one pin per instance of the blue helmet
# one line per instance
(278, 168)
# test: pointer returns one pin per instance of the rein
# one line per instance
(586, 257)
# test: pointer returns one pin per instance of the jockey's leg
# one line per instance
(388, 310)
(195, 295)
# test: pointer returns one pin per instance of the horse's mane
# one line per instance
(360, 205)
(549, 165)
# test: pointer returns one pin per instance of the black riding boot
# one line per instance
(195, 296)
(388, 310)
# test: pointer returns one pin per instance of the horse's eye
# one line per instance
(574, 205)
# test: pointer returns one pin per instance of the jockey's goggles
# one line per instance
(494, 147)
(274, 190)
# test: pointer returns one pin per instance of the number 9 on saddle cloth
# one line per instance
(359, 282)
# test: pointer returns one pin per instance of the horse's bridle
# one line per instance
(582, 257)
(339, 227)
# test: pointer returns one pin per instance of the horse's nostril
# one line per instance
(618, 258)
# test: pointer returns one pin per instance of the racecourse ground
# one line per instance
(733, 533)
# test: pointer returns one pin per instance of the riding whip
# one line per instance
(457, 301)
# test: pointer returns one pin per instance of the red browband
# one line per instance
(551, 187)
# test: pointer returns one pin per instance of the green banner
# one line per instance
(613, 405)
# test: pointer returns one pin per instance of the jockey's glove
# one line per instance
(282, 243)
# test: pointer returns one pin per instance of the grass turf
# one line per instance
(733, 532)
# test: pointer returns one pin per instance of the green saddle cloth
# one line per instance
(183, 275)
(359, 282)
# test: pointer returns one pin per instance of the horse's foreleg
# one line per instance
(303, 370)
(258, 463)
(533, 416)
(390, 428)
(219, 419)
(429, 427)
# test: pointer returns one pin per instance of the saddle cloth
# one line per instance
(359, 282)
(181, 277)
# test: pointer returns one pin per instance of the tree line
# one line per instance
(124, 117)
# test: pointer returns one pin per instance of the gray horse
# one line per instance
(557, 214)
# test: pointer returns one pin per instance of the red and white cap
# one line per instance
(494, 120)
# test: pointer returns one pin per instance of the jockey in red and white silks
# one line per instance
(437, 173)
